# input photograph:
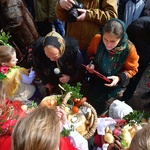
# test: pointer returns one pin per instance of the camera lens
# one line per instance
(72, 15)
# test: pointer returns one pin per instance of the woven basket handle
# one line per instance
(65, 99)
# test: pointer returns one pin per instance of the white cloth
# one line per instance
(105, 122)
(105, 146)
(77, 139)
(118, 109)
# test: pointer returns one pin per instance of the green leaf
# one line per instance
(135, 117)
(2, 76)
(74, 89)
(4, 38)
(59, 101)
(123, 143)
(66, 132)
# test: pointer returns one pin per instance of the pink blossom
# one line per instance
(4, 70)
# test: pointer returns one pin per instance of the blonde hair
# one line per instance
(12, 80)
(141, 140)
(2, 93)
(39, 130)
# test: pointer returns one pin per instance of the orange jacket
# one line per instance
(130, 66)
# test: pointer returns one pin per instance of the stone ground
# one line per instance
(137, 102)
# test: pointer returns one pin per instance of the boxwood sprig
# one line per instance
(66, 132)
(136, 117)
(74, 89)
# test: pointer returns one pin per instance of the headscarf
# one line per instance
(110, 62)
(54, 38)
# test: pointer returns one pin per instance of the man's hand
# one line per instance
(66, 4)
(82, 14)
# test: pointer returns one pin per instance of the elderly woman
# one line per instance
(54, 51)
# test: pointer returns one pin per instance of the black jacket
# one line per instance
(139, 33)
(70, 62)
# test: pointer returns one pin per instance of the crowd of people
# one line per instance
(64, 35)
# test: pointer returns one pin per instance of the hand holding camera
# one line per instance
(73, 13)
(82, 15)
(66, 4)
(75, 10)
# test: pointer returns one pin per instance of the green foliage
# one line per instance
(4, 38)
(33, 105)
(123, 143)
(59, 101)
(75, 90)
(66, 132)
(136, 117)
(2, 76)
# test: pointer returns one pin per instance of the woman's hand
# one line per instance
(61, 114)
(90, 68)
(64, 79)
(115, 80)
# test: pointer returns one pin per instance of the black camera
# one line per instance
(73, 13)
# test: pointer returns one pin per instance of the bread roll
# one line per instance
(49, 101)
(109, 138)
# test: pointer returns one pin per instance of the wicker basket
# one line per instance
(94, 126)
(92, 130)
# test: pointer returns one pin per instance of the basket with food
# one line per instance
(79, 112)
(117, 130)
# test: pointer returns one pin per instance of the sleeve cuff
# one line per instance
(124, 79)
